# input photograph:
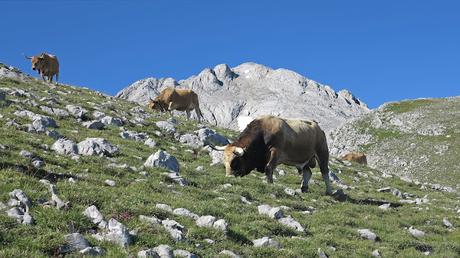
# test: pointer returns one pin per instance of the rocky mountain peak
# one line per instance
(250, 90)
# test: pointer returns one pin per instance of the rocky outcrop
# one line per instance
(229, 94)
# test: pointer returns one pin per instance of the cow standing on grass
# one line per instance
(47, 65)
(269, 141)
(171, 99)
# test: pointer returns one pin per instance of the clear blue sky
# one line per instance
(379, 50)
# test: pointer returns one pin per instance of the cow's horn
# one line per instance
(238, 151)
(218, 148)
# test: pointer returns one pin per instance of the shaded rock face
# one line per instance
(250, 89)
(96, 146)
(164, 160)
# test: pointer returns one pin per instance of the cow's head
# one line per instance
(235, 160)
(37, 61)
(155, 104)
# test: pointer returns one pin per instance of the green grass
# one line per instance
(332, 224)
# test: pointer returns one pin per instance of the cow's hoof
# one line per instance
(304, 189)
(229, 175)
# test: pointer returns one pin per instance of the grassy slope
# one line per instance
(332, 224)
(421, 152)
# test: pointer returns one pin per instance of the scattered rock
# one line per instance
(167, 127)
(164, 207)
(76, 111)
(274, 213)
(164, 251)
(108, 120)
(94, 215)
(289, 191)
(210, 137)
(416, 233)
(92, 251)
(95, 124)
(385, 206)
(130, 135)
(447, 223)
(96, 146)
(205, 221)
(376, 253)
(367, 234)
(190, 140)
(150, 142)
(186, 213)
(245, 200)
(110, 182)
(292, 223)
(322, 254)
(229, 253)
(74, 242)
(220, 224)
(117, 233)
(164, 160)
(184, 253)
(174, 229)
(149, 253)
(266, 242)
(150, 219)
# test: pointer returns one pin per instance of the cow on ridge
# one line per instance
(47, 65)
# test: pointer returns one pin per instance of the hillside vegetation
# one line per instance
(328, 225)
(417, 139)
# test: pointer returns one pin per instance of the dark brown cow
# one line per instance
(177, 99)
(357, 157)
(47, 65)
(269, 141)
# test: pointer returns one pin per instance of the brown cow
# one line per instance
(269, 141)
(46, 65)
(177, 99)
(357, 157)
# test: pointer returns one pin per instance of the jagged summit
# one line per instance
(251, 89)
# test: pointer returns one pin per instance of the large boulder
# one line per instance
(76, 111)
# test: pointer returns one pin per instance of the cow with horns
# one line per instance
(269, 141)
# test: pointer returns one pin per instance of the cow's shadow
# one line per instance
(340, 196)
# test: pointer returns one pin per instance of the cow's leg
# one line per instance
(188, 114)
(306, 175)
(271, 164)
(50, 78)
(323, 157)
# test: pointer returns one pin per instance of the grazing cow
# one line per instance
(357, 157)
(269, 141)
(46, 65)
(176, 99)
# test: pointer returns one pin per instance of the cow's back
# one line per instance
(298, 140)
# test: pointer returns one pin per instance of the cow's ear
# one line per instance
(238, 151)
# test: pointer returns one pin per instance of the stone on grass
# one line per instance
(385, 206)
(210, 137)
(108, 120)
(96, 146)
(92, 251)
(150, 219)
(220, 224)
(186, 213)
(367, 234)
(95, 124)
(26, 154)
(20, 196)
(322, 254)
(110, 182)
(190, 140)
(205, 221)
(76, 111)
(292, 223)
(130, 135)
(74, 242)
(118, 233)
(184, 254)
(289, 191)
(174, 229)
(150, 142)
(164, 251)
(164, 160)
(272, 212)
(266, 242)
(375, 253)
(415, 232)
(447, 223)
(167, 127)
(94, 214)
(148, 253)
(229, 254)
(164, 207)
